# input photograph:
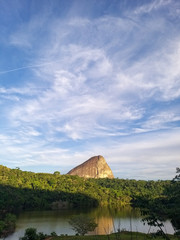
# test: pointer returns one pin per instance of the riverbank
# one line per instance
(115, 236)
(108, 220)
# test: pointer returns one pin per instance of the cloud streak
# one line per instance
(26, 67)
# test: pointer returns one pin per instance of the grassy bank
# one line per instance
(115, 236)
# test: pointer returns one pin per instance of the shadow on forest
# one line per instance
(13, 199)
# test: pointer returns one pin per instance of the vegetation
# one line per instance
(21, 190)
(27, 190)
(31, 234)
(82, 224)
(114, 236)
(164, 207)
(7, 224)
(123, 235)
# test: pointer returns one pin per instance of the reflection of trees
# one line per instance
(122, 212)
(105, 225)
(105, 217)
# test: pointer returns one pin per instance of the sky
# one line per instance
(80, 78)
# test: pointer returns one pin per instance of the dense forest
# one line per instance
(28, 190)
(21, 190)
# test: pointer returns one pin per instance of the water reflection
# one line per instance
(109, 220)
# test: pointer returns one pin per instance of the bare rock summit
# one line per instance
(95, 167)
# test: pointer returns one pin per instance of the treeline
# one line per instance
(164, 207)
(28, 190)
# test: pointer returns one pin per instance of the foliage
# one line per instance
(173, 202)
(82, 224)
(7, 224)
(53, 234)
(20, 190)
(31, 234)
(177, 177)
(28, 190)
(157, 210)
(116, 236)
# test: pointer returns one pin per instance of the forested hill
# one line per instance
(28, 190)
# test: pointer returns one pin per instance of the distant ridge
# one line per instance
(95, 167)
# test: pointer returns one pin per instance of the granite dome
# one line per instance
(95, 167)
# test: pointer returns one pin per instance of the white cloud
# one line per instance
(161, 120)
(144, 155)
(153, 5)
(86, 85)
(96, 81)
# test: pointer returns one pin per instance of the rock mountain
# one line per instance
(95, 167)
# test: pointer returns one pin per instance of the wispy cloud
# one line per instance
(98, 85)
(86, 83)
(152, 6)
(25, 67)
(138, 158)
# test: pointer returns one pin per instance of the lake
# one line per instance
(57, 221)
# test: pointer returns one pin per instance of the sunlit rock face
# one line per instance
(95, 167)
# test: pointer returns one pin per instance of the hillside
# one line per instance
(28, 190)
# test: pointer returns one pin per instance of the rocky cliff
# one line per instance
(95, 167)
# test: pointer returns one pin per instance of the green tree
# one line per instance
(82, 224)
(7, 225)
(167, 206)
(177, 177)
(31, 234)
(2, 225)
(173, 206)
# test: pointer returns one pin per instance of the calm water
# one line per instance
(57, 221)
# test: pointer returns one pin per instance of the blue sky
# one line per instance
(83, 78)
